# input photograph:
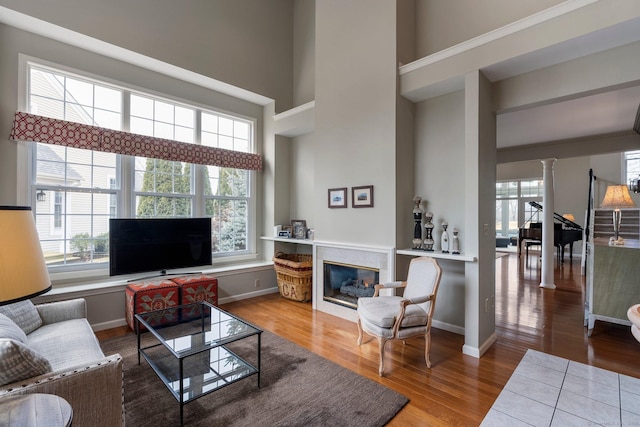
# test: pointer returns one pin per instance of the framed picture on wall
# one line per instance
(337, 198)
(362, 197)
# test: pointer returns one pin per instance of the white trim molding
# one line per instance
(507, 30)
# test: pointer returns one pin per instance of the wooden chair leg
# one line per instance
(427, 348)
(359, 332)
(381, 343)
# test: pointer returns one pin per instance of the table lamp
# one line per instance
(616, 197)
(23, 272)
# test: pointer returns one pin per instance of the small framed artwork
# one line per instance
(362, 197)
(286, 231)
(298, 228)
(337, 198)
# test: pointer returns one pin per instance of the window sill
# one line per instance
(108, 285)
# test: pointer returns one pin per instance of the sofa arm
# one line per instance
(59, 311)
(95, 391)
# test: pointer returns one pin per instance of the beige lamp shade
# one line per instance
(570, 217)
(23, 272)
(616, 197)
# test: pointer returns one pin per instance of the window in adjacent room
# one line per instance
(632, 165)
(512, 205)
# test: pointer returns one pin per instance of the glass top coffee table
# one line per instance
(191, 356)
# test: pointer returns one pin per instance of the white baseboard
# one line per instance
(109, 325)
(448, 327)
(478, 352)
(248, 295)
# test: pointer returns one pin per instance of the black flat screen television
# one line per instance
(145, 245)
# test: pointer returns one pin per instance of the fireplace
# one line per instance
(345, 283)
(368, 260)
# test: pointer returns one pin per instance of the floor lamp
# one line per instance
(23, 271)
(616, 197)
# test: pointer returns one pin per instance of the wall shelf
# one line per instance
(297, 121)
(410, 252)
(286, 240)
(437, 255)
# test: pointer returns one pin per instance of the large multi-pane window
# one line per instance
(72, 184)
(76, 191)
(163, 188)
(512, 207)
(226, 190)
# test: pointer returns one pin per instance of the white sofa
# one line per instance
(77, 369)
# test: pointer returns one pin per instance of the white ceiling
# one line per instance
(602, 113)
(607, 112)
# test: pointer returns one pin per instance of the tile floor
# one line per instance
(546, 390)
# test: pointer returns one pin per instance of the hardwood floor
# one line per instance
(459, 389)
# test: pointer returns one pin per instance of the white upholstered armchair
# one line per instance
(634, 316)
(406, 316)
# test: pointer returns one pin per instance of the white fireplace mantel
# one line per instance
(382, 259)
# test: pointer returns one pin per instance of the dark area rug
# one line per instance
(298, 388)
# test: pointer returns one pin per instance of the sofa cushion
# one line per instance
(8, 329)
(66, 344)
(24, 314)
(19, 362)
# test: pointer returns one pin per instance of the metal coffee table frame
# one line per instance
(192, 347)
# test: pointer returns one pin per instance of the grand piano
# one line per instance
(564, 233)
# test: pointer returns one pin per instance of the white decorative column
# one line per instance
(547, 225)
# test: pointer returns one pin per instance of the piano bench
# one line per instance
(529, 242)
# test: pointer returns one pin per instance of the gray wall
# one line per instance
(304, 51)
(446, 23)
(245, 43)
(355, 114)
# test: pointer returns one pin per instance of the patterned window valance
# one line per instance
(30, 127)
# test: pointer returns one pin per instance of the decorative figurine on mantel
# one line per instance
(455, 242)
(428, 240)
(444, 239)
(417, 218)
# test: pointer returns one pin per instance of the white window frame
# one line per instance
(627, 157)
(522, 200)
(125, 168)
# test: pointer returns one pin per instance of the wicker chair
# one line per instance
(399, 318)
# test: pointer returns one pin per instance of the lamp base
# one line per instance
(616, 242)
